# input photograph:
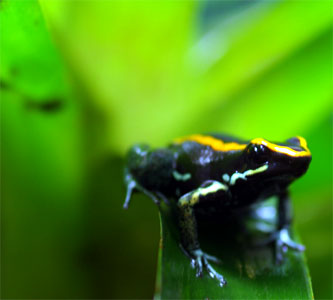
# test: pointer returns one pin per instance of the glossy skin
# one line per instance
(217, 176)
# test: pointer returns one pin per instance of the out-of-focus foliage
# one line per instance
(83, 80)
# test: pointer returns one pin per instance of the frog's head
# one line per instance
(277, 161)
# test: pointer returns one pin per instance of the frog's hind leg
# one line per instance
(132, 185)
(188, 228)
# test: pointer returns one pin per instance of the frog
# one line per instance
(218, 175)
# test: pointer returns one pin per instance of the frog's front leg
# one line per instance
(283, 240)
(188, 228)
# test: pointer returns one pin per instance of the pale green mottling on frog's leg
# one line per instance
(187, 219)
(193, 197)
(188, 229)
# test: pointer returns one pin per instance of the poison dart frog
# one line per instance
(216, 174)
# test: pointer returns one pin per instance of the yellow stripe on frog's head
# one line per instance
(285, 149)
(219, 145)
(212, 142)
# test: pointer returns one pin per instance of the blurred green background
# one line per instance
(81, 81)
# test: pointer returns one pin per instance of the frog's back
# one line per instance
(199, 158)
(228, 138)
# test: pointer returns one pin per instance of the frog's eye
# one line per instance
(258, 153)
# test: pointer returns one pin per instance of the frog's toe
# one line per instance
(200, 262)
(283, 243)
(280, 249)
(286, 240)
(212, 273)
(197, 265)
(212, 259)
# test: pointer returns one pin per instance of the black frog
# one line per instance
(218, 175)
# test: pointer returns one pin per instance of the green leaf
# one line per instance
(139, 59)
(251, 271)
(131, 58)
(292, 96)
(237, 50)
(42, 159)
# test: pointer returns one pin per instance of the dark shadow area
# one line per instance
(118, 246)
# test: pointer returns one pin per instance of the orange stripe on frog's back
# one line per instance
(212, 142)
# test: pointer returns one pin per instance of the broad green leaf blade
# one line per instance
(242, 47)
(251, 272)
(267, 72)
(42, 161)
(131, 59)
(291, 97)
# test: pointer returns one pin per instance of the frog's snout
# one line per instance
(300, 165)
(302, 157)
(299, 144)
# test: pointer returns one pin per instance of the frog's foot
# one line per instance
(284, 242)
(200, 261)
(132, 185)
